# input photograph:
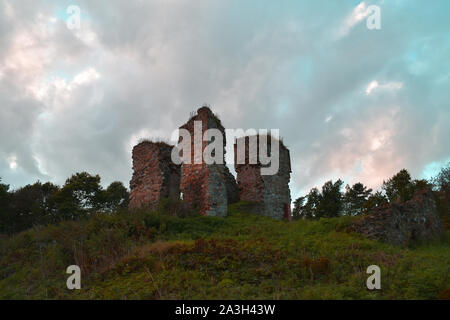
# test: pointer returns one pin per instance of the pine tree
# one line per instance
(355, 197)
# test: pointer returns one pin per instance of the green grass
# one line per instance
(243, 256)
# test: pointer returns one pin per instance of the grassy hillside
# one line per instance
(151, 256)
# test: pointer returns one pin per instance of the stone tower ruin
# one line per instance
(155, 176)
(207, 187)
(270, 192)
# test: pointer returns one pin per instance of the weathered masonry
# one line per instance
(155, 175)
(207, 187)
(271, 192)
(403, 223)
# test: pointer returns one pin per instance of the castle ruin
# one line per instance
(155, 176)
(270, 192)
(403, 223)
(208, 188)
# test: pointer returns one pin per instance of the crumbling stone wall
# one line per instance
(270, 191)
(402, 223)
(155, 176)
(207, 187)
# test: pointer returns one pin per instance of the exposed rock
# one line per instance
(401, 224)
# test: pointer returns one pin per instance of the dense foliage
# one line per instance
(358, 199)
(40, 204)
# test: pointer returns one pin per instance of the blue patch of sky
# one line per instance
(302, 69)
(433, 168)
(61, 13)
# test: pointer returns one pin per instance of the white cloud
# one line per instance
(372, 86)
(390, 86)
(12, 160)
(358, 14)
(58, 87)
(85, 77)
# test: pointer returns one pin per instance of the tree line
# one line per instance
(45, 203)
(82, 195)
(332, 201)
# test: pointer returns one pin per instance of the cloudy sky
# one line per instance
(350, 102)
